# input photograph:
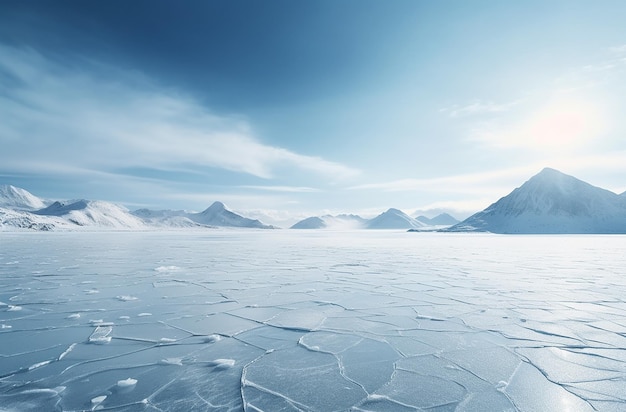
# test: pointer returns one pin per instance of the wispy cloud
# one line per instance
(478, 107)
(58, 118)
(473, 183)
(284, 189)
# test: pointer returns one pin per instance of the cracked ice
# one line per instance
(311, 321)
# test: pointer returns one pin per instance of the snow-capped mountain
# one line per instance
(391, 219)
(394, 219)
(552, 202)
(93, 213)
(343, 221)
(312, 222)
(443, 219)
(20, 209)
(166, 218)
(19, 199)
(218, 215)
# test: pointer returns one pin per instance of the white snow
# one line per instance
(93, 213)
(17, 198)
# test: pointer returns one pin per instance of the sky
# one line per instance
(286, 109)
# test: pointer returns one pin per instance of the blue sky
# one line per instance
(286, 109)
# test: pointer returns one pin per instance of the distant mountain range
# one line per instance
(391, 219)
(551, 202)
(21, 209)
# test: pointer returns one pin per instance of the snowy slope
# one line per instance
(218, 215)
(12, 197)
(16, 219)
(394, 219)
(93, 213)
(166, 218)
(337, 222)
(443, 219)
(552, 202)
(313, 222)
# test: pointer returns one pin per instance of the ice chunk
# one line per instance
(212, 338)
(491, 363)
(275, 373)
(531, 391)
(68, 350)
(171, 361)
(38, 365)
(126, 298)
(167, 269)
(125, 383)
(422, 390)
(95, 402)
(101, 335)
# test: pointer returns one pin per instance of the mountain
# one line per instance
(166, 218)
(92, 213)
(218, 215)
(443, 219)
(551, 202)
(16, 219)
(313, 222)
(15, 198)
(341, 222)
(394, 219)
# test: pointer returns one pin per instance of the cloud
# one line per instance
(471, 183)
(460, 209)
(478, 107)
(286, 189)
(618, 50)
(58, 118)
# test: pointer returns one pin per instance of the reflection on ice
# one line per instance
(283, 321)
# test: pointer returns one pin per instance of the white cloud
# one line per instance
(57, 118)
(478, 107)
(460, 209)
(484, 183)
(288, 189)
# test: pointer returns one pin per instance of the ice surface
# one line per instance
(320, 321)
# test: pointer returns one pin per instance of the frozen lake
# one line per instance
(311, 320)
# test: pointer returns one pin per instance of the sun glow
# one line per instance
(563, 124)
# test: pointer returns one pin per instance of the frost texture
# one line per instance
(288, 321)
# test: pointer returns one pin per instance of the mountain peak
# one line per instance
(11, 196)
(218, 215)
(394, 219)
(214, 209)
(552, 202)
